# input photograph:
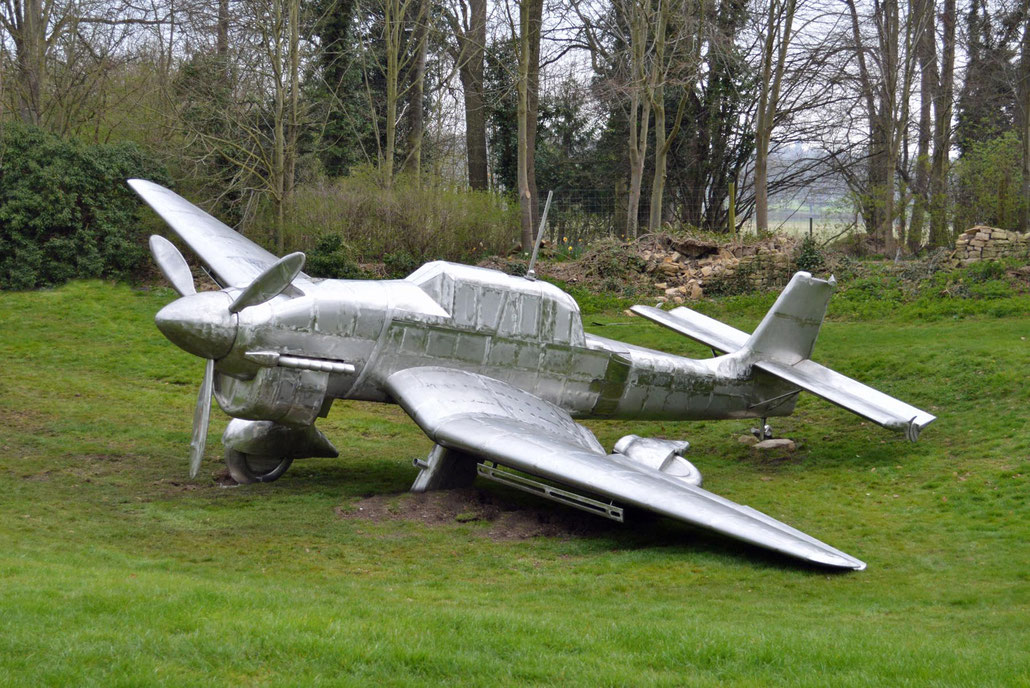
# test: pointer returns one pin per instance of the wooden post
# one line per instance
(732, 222)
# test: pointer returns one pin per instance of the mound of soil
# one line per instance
(508, 519)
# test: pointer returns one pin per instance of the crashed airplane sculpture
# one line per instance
(493, 368)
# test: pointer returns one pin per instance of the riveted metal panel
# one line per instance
(441, 343)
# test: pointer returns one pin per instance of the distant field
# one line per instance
(115, 570)
(823, 227)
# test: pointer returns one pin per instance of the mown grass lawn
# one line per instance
(116, 570)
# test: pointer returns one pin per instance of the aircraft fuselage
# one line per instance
(381, 327)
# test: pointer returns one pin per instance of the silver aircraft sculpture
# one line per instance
(494, 369)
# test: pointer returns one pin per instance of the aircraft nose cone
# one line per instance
(200, 324)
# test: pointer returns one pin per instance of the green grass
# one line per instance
(116, 570)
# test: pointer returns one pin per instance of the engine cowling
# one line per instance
(267, 438)
(661, 455)
(290, 396)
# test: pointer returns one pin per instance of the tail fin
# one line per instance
(782, 344)
(788, 331)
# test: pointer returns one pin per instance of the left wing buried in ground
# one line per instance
(491, 419)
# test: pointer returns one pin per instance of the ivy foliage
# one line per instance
(65, 209)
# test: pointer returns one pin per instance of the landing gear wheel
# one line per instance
(251, 468)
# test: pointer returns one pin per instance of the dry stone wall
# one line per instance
(684, 268)
(990, 243)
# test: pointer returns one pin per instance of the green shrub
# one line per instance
(65, 209)
(988, 181)
(985, 271)
(808, 257)
(519, 268)
(405, 225)
(400, 264)
(331, 257)
(592, 301)
(885, 290)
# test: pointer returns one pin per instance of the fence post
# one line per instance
(732, 228)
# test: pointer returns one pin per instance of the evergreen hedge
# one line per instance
(65, 209)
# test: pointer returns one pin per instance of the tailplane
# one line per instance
(782, 345)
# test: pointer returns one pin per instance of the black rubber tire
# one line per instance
(250, 468)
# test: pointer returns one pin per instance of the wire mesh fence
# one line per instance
(579, 217)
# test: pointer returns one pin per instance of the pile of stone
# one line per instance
(685, 267)
(990, 243)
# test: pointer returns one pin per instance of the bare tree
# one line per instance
(63, 49)
(529, 26)
(467, 21)
(647, 47)
(778, 31)
(404, 41)
(885, 75)
(943, 104)
(1023, 90)
(248, 119)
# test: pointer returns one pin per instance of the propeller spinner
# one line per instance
(205, 324)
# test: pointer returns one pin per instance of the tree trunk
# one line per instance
(525, 194)
(639, 114)
(533, 107)
(30, 54)
(1023, 90)
(761, 194)
(470, 70)
(926, 46)
(416, 93)
(663, 144)
(940, 233)
(639, 122)
(654, 215)
(768, 101)
(293, 118)
(222, 35)
(530, 19)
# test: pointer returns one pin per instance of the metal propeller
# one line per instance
(205, 324)
(173, 265)
(201, 418)
(269, 283)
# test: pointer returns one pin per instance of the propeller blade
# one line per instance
(201, 417)
(173, 265)
(269, 283)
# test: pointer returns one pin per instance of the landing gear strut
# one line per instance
(763, 433)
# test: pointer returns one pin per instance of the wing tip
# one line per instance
(837, 559)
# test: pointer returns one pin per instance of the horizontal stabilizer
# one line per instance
(856, 397)
(781, 345)
(697, 326)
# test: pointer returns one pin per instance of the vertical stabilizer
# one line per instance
(788, 331)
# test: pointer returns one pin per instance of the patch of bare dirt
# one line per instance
(223, 479)
(508, 519)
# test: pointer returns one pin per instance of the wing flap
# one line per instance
(494, 420)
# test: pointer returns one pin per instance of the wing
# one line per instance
(489, 418)
(234, 260)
